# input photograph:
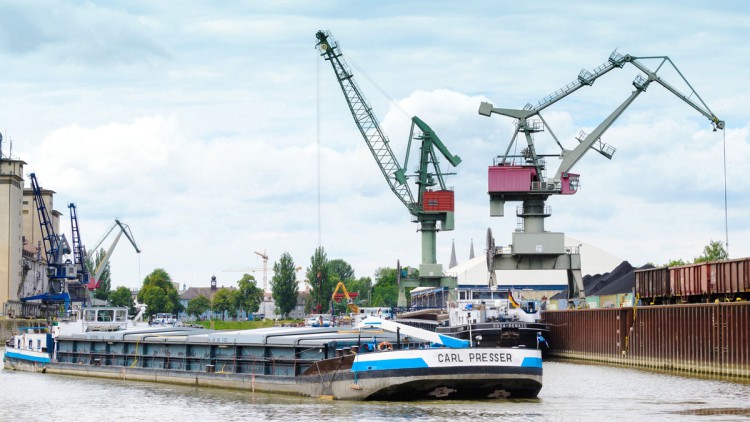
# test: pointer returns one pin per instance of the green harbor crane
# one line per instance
(434, 202)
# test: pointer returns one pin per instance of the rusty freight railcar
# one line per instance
(652, 285)
(730, 279)
(691, 283)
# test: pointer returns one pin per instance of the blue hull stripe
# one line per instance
(531, 362)
(386, 364)
(22, 356)
(453, 342)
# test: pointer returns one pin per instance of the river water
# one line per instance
(571, 392)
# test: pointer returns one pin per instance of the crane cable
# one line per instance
(726, 218)
(318, 128)
(382, 91)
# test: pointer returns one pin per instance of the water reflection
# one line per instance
(571, 392)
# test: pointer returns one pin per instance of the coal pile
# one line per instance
(620, 280)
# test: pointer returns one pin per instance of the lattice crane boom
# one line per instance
(366, 122)
(431, 205)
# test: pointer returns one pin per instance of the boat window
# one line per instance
(38, 344)
(105, 315)
(18, 343)
(89, 315)
(30, 342)
(121, 315)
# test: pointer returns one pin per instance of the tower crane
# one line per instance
(264, 255)
(522, 177)
(434, 202)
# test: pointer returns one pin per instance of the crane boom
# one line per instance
(585, 78)
(55, 248)
(79, 250)
(124, 229)
(652, 76)
(353, 308)
(570, 158)
(366, 122)
(432, 205)
(534, 247)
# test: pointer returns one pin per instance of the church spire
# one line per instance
(453, 262)
(471, 251)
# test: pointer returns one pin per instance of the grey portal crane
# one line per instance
(99, 270)
(522, 177)
(431, 205)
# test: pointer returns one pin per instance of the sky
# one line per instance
(215, 130)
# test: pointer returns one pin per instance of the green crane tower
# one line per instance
(434, 202)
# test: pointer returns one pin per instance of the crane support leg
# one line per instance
(571, 262)
(575, 285)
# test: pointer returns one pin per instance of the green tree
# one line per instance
(121, 297)
(249, 296)
(714, 251)
(676, 262)
(223, 302)
(155, 299)
(321, 287)
(235, 302)
(342, 268)
(363, 287)
(385, 291)
(284, 287)
(167, 301)
(198, 306)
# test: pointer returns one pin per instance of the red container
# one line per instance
(730, 277)
(439, 200)
(691, 280)
(502, 179)
(653, 283)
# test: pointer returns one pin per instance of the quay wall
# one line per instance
(711, 339)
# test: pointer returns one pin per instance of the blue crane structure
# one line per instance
(59, 269)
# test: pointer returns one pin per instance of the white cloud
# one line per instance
(198, 126)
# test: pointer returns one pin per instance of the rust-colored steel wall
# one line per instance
(701, 338)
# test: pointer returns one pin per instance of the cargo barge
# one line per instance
(377, 360)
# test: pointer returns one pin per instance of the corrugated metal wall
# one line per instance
(702, 338)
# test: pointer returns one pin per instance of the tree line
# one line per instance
(322, 275)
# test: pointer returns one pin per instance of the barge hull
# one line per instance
(398, 385)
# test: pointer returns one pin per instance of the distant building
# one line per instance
(267, 308)
(21, 241)
(11, 229)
